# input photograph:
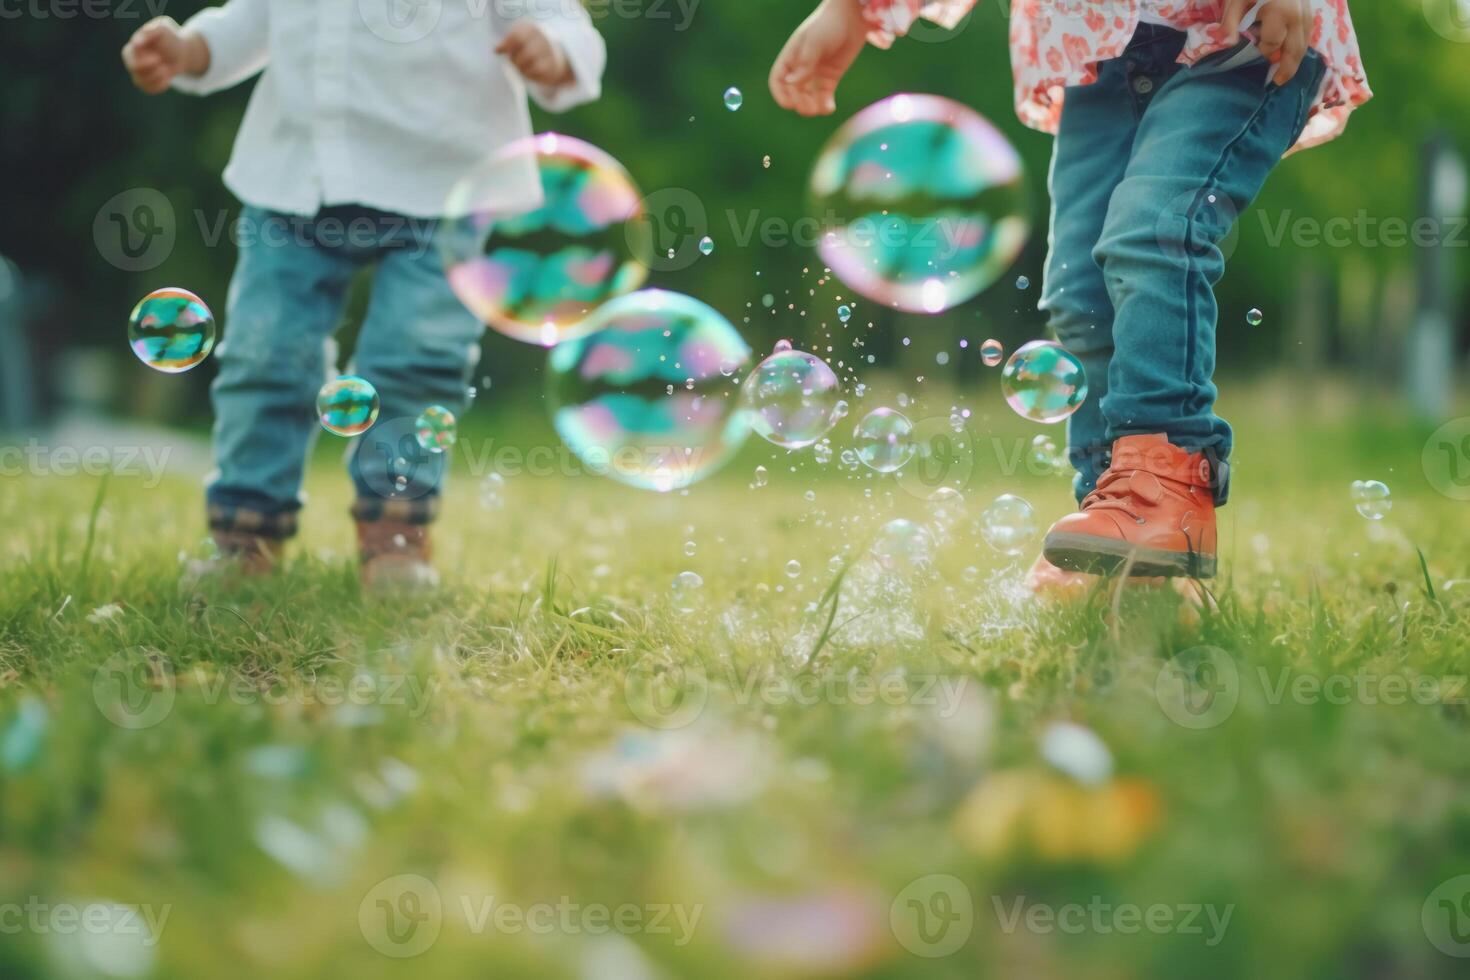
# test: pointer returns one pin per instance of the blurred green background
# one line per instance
(77, 133)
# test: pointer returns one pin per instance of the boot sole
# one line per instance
(1104, 556)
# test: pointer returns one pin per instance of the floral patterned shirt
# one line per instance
(1056, 43)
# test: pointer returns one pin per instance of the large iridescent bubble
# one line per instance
(650, 397)
(171, 330)
(922, 203)
(536, 273)
(792, 397)
(1043, 381)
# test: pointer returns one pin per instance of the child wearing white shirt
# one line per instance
(361, 122)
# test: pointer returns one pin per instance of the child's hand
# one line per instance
(159, 51)
(1284, 25)
(535, 56)
(818, 54)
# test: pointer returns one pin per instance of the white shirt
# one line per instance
(384, 103)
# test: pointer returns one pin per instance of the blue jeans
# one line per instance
(1152, 163)
(418, 346)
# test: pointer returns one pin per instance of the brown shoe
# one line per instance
(1153, 513)
(236, 552)
(395, 557)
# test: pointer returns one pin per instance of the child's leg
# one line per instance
(285, 299)
(1204, 148)
(418, 347)
(1088, 161)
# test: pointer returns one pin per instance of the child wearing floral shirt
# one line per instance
(1169, 115)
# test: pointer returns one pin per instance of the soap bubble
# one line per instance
(991, 352)
(492, 491)
(643, 398)
(1254, 317)
(1371, 498)
(1008, 524)
(760, 477)
(844, 313)
(684, 591)
(536, 275)
(347, 405)
(884, 439)
(1043, 381)
(1023, 283)
(1045, 457)
(434, 429)
(903, 546)
(171, 330)
(793, 568)
(792, 398)
(922, 202)
(947, 505)
(706, 245)
(733, 98)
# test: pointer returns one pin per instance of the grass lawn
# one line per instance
(562, 766)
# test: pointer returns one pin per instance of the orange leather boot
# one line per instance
(1153, 512)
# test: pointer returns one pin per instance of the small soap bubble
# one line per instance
(991, 352)
(1009, 524)
(171, 330)
(884, 439)
(492, 491)
(844, 313)
(760, 478)
(1023, 283)
(733, 98)
(435, 429)
(1254, 317)
(791, 398)
(347, 406)
(1043, 381)
(1371, 499)
(706, 245)
(684, 591)
(793, 568)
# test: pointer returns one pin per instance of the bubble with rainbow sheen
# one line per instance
(536, 273)
(347, 405)
(1043, 381)
(435, 429)
(648, 397)
(922, 203)
(884, 439)
(171, 330)
(792, 398)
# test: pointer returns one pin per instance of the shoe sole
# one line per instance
(1104, 556)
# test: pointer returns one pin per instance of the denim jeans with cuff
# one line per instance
(1152, 163)
(418, 347)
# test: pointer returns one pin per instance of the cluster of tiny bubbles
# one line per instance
(791, 398)
(644, 397)
(1371, 498)
(1043, 381)
(848, 460)
(884, 439)
(1254, 317)
(684, 591)
(536, 270)
(822, 451)
(903, 546)
(1009, 524)
(706, 245)
(492, 491)
(1023, 283)
(844, 313)
(347, 405)
(759, 478)
(171, 330)
(923, 203)
(435, 429)
(733, 98)
(991, 352)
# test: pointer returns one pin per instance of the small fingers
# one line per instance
(1273, 33)
(1292, 53)
(1234, 11)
